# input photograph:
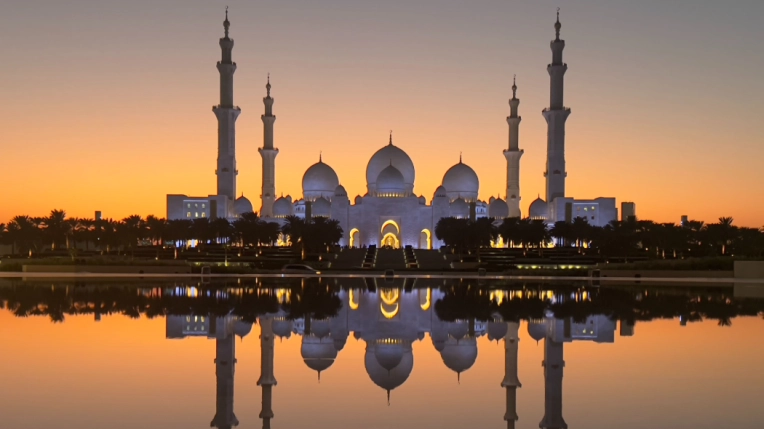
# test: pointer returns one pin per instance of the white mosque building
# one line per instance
(391, 213)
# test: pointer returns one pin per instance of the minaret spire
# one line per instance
(226, 113)
(268, 153)
(391, 138)
(556, 115)
(513, 154)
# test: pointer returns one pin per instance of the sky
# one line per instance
(107, 104)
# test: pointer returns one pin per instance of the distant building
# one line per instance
(628, 211)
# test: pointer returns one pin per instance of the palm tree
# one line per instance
(156, 229)
(562, 231)
(57, 229)
(24, 233)
(130, 230)
(222, 230)
(510, 231)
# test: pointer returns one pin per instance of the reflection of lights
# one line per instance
(428, 302)
(351, 300)
(498, 295)
(389, 296)
(283, 296)
(389, 314)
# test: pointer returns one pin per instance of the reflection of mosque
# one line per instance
(389, 321)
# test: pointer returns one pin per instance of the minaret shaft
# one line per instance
(511, 382)
(268, 153)
(267, 379)
(513, 155)
(226, 114)
(555, 116)
(553, 368)
(225, 361)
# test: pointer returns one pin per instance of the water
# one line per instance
(157, 354)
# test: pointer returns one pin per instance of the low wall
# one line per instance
(108, 269)
(749, 269)
(667, 274)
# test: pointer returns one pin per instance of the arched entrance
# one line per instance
(390, 234)
(354, 236)
(425, 239)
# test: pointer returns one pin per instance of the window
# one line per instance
(188, 214)
(188, 205)
(196, 206)
(204, 205)
(196, 214)
(204, 214)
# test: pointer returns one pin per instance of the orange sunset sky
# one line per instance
(107, 104)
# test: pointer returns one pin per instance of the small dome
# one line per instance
(340, 191)
(358, 199)
(388, 379)
(319, 180)
(242, 205)
(321, 208)
(282, 327)
(390, 181)
(242, 329)
(389, 356)
(382, 159)
(497, 330)
(282, 207)
(440, 192)
(458, 330)
(537, 330)
(538, 209)
(320, 328)
(460, 208)
(318, 354)
(422, 200)
(459, 356)
(498, 209)
(461, 181)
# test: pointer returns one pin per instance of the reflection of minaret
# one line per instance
(553, 365)
(267, 379)
(511, 382)
(225, 360)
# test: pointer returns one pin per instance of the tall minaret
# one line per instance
(226, 113)
(513, 155)
(268, 152)
(511, 382)
(267, 379)
(225, 362)
(553, 365)
(555, 116)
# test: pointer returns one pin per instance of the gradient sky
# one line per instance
(107, 104)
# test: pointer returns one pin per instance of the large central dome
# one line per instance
(385, 157)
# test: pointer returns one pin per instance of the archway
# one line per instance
(354, 236)
(425, 239)
(390, 233)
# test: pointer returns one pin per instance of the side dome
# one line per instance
(242, 205)
(498, 209)
(461, 181)
(319, 180)
(383, 158)
(242, 329)
(538, 209)
(318, 354)
(390, 182)
(537, 330)
(497, 330)
(321, 207)
(440, 192)
(460, 208)
(384, 378)
(282, 327)
(459, 356)
(340, 191)
(282, 207)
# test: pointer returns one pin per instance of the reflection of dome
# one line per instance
(461, 181)
(319, 180)
(318, 354)
(537, 330)
(282, 327)
(497, 330)
(460, 208)
(384, 378)
(339, 343)
(460, 356)
(242, 329)
(282, 207)
(383, 158)
(242, 205)
(320, 328)
(389, 355)
(538, 209)
(390, 182)
(458, 330)
(321, 207)
(498, 209)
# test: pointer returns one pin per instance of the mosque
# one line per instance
(389, 320)
(390, 213)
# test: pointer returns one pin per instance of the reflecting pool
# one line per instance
(371, 353)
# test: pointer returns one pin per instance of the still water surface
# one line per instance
(377, 356)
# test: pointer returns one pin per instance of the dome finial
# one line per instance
(388, 397)
(460, 157)
(226, 24)
(557, 25)
(268, 85)
(514, 87)
(320, 156)
(391, 138)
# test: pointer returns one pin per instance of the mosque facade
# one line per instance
(390, 213)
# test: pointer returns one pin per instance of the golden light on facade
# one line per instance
(389, 314)
(389, 296)
(351, 300)
(428, 300)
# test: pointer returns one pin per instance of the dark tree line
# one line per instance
(632, 237)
